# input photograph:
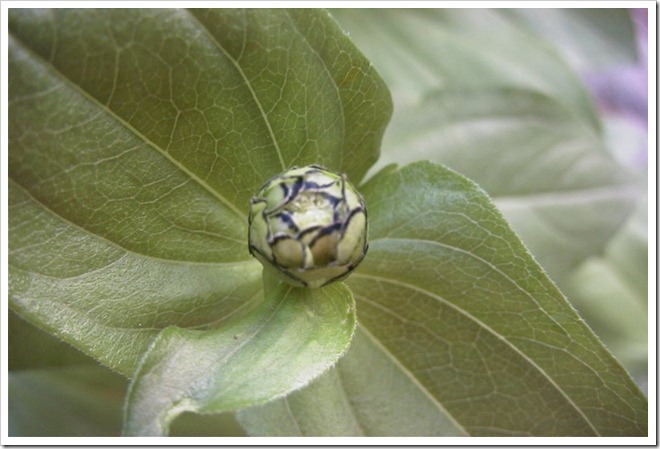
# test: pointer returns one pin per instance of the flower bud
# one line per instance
(310, 224)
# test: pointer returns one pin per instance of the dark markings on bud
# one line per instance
(306, 229)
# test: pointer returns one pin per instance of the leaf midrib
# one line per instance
(331, 78)
(409, 374)
(254, 95)
(346, 401)
(119, 246)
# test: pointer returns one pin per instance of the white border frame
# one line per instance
(377, 441)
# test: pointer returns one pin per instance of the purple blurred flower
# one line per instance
(623, 90)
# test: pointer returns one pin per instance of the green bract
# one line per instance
(310, 224)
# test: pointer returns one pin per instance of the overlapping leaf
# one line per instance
(537, 159)
(611, 292)
(486, 97)
(295, 336)
(450, 299)
(421, 50)
(369, 393)
(588, 38)
(138, 137)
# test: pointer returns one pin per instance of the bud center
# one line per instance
(311, 209)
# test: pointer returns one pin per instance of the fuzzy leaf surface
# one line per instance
(294, 336)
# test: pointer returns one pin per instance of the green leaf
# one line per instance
(109, 302)
(422, 50)
(611, 292)
(589, 38)
(137, 138)
(66, 401)
(293, 337)
(548, 172)
(449, 296)
(368, 393)
(482, 94)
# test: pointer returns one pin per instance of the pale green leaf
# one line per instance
(482, 94)
(611, 292)
(549, 174)
(368, 393)
(421, 50)
(106, 301)
(293, 337)
(501, 329)
(450, 298)
(589, 38)
(137, 138)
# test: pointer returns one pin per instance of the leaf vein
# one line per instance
(481, 260)
(248, 84)
(347, 403)
(409, 374)
(62, 76)
(489, 329)
(114, 244)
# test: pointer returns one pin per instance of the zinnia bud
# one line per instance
(310, 224)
